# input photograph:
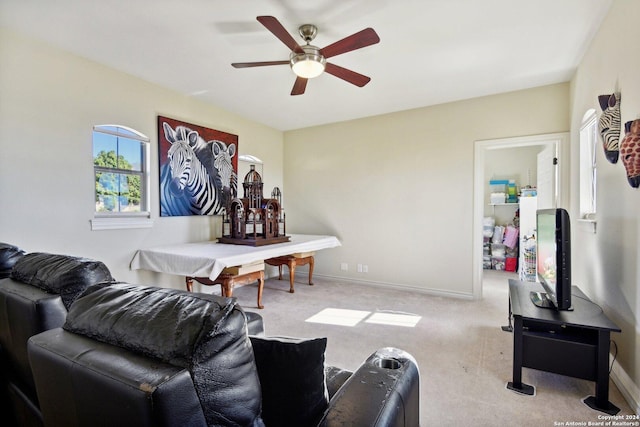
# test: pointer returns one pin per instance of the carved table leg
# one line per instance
(292, 262)
(279, 262)
(260, 288)
(227, 288)
(292, 274)
(311, 263)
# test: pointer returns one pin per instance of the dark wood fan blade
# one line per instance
(273, 25)
(361, 39)
(257, 64)
(347, 75)
(299, 86)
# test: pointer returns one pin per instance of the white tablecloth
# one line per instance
(208, 259)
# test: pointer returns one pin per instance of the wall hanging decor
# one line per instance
(198, 168)
(630, 152)
(609, 125)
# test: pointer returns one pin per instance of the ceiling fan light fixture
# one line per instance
(309, 64)
(309, 61)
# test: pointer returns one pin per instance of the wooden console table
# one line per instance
(573, 343)
(291, 261)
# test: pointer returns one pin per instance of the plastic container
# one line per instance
(498, 198)
(488, 223)
(497, 264)
(498, 185)
(512, 192)
(498, 251)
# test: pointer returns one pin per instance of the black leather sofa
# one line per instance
(34, 297)
(132, 355)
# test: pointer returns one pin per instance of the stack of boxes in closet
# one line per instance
(500, 246)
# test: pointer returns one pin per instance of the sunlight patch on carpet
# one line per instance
(394, 319)
(344, 317)
(338, 316)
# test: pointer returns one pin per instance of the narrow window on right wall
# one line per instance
(588, 175)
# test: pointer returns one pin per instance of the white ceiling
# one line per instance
(431, 51)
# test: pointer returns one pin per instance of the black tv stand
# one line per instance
(542, 300)
(573, 343)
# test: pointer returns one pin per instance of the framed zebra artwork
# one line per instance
(198, 168)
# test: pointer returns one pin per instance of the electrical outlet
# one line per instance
(359, 268)
(365, 268)
(344, 266)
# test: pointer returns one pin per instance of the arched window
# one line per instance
(588, 172)
(120, 163)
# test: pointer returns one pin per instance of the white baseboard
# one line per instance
(627, 387)
(434, 292)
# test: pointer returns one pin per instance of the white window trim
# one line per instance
(587, 220)
(121, 222)
(129, 220)
(587, 224)
(250, 158)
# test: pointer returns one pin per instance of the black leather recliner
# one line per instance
(34, 298)
(9, 255)
(145, 356)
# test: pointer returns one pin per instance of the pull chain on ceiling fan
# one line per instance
(309, 61)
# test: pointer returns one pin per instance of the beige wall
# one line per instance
(397, 189)
(605, 263)
(49, 102)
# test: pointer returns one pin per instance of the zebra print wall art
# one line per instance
(198, 168)
(609, 125)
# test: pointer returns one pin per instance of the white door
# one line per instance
(547, 182)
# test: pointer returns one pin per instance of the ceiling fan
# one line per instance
(309, 61)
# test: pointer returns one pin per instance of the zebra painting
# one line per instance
(222, 156)
(609, 125)
(197, 177)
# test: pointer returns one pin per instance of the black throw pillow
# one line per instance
(292, 378)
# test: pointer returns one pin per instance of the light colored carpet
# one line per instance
(463, 355)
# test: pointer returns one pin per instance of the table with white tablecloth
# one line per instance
(208, 260)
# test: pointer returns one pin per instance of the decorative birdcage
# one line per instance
(253, 220)
(253, 188)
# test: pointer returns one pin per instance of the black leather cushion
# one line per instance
(204, 333)
(83, 382)
(9, 255)
(64, 275)
(292, 377)
(25, 311)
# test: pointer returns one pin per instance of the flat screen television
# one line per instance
(553, 253)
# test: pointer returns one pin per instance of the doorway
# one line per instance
(557, 143)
